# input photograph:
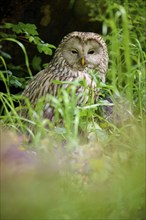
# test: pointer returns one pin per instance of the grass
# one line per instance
(91, 165)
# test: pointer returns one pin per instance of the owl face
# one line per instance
(83, 50)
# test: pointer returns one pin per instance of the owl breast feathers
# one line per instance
(76, 56)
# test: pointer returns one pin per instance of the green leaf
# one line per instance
(29, 29)
(101, 103)
(45, 48)
(17, 82)
(31, 39)
(51, 46)
(37, 40)
(8, 25)
(5, 55)
(36, 63)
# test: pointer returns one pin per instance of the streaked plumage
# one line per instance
(77, 54)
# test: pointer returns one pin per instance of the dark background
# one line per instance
(54, 19)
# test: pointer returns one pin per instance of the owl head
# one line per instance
(84, 50)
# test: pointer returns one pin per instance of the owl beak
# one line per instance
(83, 61)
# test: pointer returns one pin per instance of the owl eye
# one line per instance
(91, 52)
(74, 51)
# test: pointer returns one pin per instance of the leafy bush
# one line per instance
(19, 33)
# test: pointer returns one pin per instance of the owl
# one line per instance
(77, 55)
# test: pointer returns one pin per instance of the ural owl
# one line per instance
(76, 56)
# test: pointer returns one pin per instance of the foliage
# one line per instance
(126, 42)
(115, 12)
(29, 32)
(21, 33)
(88, 163)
